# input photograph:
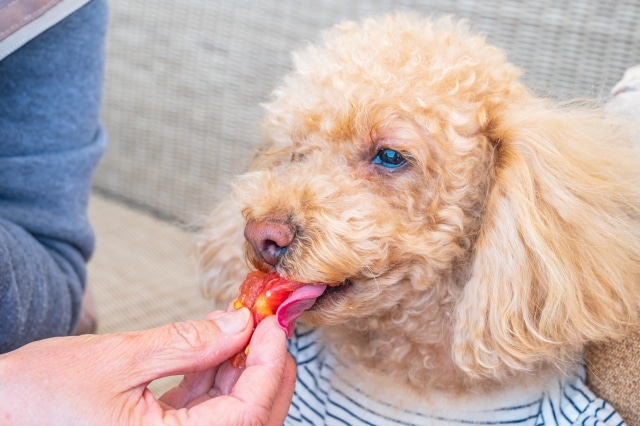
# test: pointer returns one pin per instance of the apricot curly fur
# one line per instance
(508, 240)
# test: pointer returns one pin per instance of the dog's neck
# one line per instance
(410, 342)
(420, 369)
(417, 364)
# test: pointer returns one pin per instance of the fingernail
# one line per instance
(234, 321)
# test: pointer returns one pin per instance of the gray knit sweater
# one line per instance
(50, 143)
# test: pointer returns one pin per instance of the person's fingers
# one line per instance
(215, 314)
(261, 394)
(185, 347)
(283, 399)
(192, 385)
(225, 379)
(265, 370)
(198, 387)
(190, 388)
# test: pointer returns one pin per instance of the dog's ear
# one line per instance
(557, 259)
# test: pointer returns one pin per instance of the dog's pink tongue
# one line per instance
(297, 302)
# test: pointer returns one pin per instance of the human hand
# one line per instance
(103, 379)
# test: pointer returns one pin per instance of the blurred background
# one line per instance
(184, 81)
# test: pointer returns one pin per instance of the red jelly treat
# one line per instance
(268, 294)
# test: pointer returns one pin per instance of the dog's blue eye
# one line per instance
(389, 158)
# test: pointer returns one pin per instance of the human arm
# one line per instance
(103, 379)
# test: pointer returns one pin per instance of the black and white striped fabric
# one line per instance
(323, 397)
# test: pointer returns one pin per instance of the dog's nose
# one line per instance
(269, 239)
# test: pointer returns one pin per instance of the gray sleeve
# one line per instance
(45, 242)
(40, 289)
(50, 143)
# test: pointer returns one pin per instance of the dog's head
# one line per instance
(406, 166)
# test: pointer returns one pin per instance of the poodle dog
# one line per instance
(473, 236)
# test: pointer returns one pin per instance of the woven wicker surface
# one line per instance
(141, 274)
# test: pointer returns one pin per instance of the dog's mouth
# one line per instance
(303, 297)
(331, 294)
(310, 297)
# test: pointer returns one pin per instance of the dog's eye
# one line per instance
(389, 158)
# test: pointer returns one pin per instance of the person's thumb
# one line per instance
(184, 347)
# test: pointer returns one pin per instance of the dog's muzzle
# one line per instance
(270, 238)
